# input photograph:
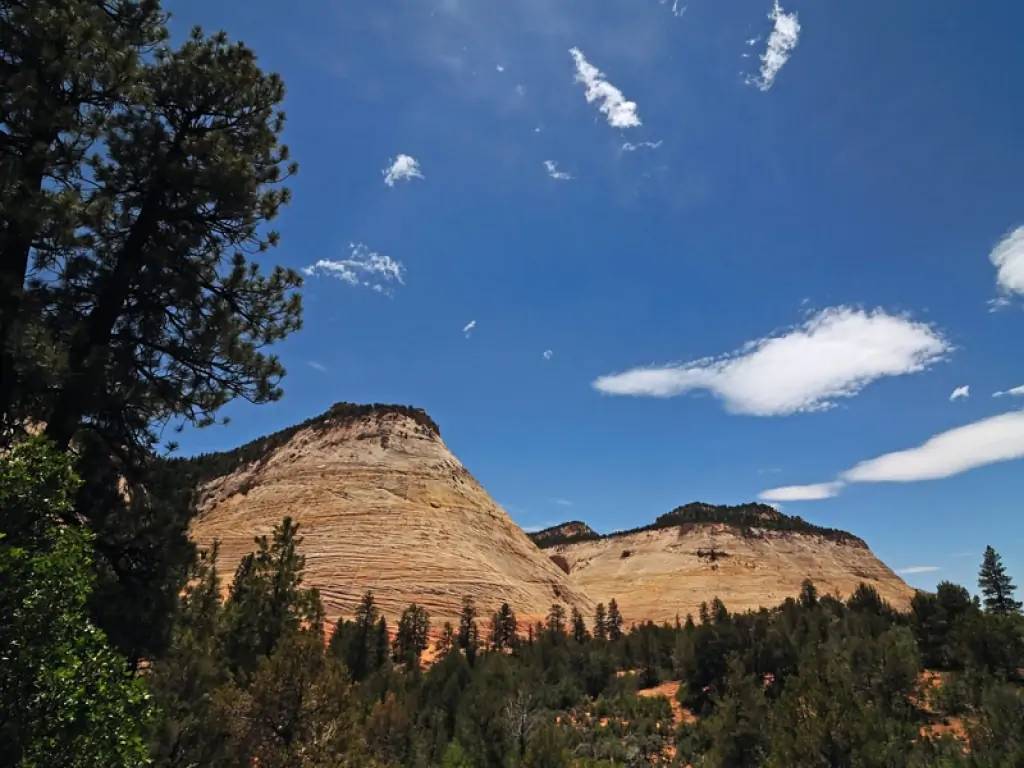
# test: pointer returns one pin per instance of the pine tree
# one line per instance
(266, 601)
(808, 594)
(380, 644)
(579, 627)
(411, 636)
(360, 651)
(555, 625)
(184, 679)
(614, 621)
(467, 622)
(138, 182)
(996, 585)
(600, 623)
(446, 642)
(504, 629)
(298, 710)
(76, 62)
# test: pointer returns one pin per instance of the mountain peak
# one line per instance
(383, 505)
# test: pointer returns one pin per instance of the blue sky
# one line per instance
(789, 279)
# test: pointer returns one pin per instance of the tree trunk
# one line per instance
(15, 247)
(85, 376)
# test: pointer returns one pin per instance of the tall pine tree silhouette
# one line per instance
(996, 585)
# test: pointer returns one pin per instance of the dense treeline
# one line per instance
(816, 681)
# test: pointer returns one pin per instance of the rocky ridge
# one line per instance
(749, 556)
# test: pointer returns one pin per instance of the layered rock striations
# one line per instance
(384, 506)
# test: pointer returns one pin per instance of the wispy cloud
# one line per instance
(1012, 392)
(989, 441)
(678, 9)
(912, 569)
(813, 492)
(619, 112)
(630, 146)
(552, 168)
(499, 67)
(547, 354)
(781, 42)
(833, 355)
(562, 502)
(1008, 259)
(468, 328)
(317, 366)
(402, 168)
(363, 267)
(960, 393)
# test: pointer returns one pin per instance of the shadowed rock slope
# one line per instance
(749, 556)
(383, 505)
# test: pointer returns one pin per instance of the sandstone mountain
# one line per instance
(749, 556)
(383, 505)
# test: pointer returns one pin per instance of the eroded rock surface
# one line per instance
(659, 573)
(383, 505)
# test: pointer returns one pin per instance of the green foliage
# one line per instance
(411, 636)
(66, 697)
(66, 67)
(600, 622)
(194, 666)
(267, 601)
(362, 644)
(814, 682)
(455, 757)
(249, 681)
(996, 585)
(613, 625)
(504, 629)
(138, 182)
(297, 711)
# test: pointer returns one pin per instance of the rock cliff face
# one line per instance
(749, 557)
(383, 505)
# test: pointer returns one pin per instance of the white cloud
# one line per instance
(961, 393)
(552, 168)
(562, 502)
(468, 328)
(1012, 392)
(402, 168)
(317, 366)
(912, 569)
(547, 354)
(834, 354)
(781, 42)
(619, 112)
(499, 67)
(629, 146)
(989, 441)
(813, 492)
(1008, 259)
(364, 267)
